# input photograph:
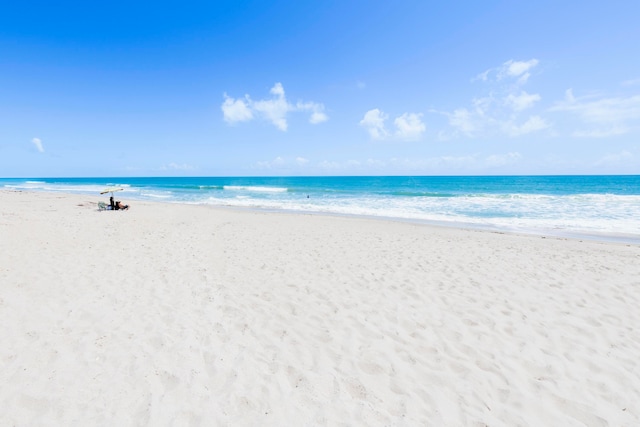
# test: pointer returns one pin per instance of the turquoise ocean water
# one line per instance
(597, 206)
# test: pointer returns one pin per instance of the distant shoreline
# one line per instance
(559, 234)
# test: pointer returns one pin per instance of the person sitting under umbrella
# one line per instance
(117, 205)
(120, 206)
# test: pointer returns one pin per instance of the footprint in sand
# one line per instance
(371, 368)
(355, 388)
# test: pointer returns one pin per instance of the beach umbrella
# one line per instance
(111, 190)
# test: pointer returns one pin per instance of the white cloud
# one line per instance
(373, 121)
(483, 105)
(409, 126)
(277, 90)
(500, 109)
(38, 144)
(274, 110)
(522, 101)
(464, 120)
(517, 69)
(442, 164)
(511, 69)
(177, 167)
(533, 124)
(498, 160)
(616, 159)
(280, 163)
(318, 117)
(277, 163)
(317, 111)
(432, 164)
(330, 166)
(236, 110)
(601, 117)
(484, 76)
(479, 123)
(468, 163)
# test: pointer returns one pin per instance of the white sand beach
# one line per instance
(184, 315)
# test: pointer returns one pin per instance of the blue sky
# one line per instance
(228, 88)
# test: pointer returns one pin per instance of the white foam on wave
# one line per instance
(581, 213)
(89, 189)
(156, 195)
(257, 189)
(53, 187)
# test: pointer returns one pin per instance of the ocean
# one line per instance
(601, 207)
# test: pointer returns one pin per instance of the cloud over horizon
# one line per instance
(502, 110)
(177, 167)
(408, 126)
(475, 162)
(601, 117)
(274, 109)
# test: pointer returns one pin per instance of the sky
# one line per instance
(327, 87)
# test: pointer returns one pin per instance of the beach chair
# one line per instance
(102, 206)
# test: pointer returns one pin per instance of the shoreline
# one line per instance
(617, 238)
(591, 207)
